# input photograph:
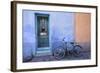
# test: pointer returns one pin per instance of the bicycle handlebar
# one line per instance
(70, 42)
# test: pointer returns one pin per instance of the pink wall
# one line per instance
(83, 27)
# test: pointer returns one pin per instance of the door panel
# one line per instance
(42, 31)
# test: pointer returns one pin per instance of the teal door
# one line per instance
(42, 30)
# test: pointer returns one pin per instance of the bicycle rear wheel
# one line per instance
(77, 50)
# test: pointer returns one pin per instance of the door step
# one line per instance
(43, 51)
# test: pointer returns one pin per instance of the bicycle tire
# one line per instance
(59, 53)
(77, 50)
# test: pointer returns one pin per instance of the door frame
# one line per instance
(41, 14)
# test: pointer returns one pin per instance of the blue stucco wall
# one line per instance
(61, 24)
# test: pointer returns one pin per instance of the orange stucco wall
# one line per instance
(82, 27)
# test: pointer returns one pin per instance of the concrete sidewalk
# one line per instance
(82, 56)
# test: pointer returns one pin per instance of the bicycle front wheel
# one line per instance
(59, 53)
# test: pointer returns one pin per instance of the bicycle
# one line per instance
(68, 48)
